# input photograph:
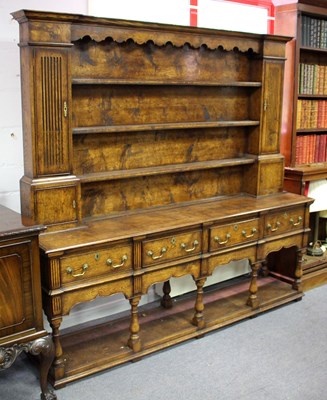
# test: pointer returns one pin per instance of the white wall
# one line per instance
(175, 12)
(232, 16)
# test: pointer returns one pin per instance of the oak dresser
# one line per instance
(152, 152)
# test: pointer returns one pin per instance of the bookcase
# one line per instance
(304, 117)
(151, 152)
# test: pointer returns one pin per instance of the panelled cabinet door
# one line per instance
(271, 115)
(56, 204)
(16, 295)
(52, 120)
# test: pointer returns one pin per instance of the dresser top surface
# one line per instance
(123, 227)
(11, 224)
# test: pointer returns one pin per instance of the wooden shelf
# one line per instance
(108, 341)
(164, 126)
(163, 169)
(88, 81)
(311, 130)
(312, 96)
(314, 49)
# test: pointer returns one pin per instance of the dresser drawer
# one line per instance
(231, 234)
(92, 264)
(171, 247)
(283, 221)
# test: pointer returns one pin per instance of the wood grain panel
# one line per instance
(109, 152)
(150, 191)
(111, 105)
(128, 60)
(11, 291)
(52, 122)
(16, 297)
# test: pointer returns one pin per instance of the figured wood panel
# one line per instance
(272, 107)
(175, 246)
(56, 204)
(11, 291)
(129, 194)
(101, 105)
(52, 121)
(148, 62)
(16, 289)
(235, 233)
(110, 152)
(108, 261)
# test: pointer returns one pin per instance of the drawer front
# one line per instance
(171, 247)
(231, 234)
(284, 221)
(100, 262)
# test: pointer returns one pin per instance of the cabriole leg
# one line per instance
(45, 348)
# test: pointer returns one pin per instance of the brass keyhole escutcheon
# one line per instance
(97, 256)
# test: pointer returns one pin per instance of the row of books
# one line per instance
(311, 149)
(312, 79)
(311, 114)
(314, 32)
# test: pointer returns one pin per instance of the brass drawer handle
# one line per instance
(270, 228)
(162, 252)
(299, 220)
(217, 239)
(184, 246)
(123, 259)
(253, 231)
(69, 271)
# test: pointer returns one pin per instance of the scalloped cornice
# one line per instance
(74, 27)
(141, 37)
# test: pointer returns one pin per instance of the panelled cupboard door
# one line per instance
(52, 115)
(56, 205)
(271, 115)
(16, 295)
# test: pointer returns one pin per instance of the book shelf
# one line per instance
(304, 115)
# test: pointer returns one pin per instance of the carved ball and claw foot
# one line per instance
(42, 347)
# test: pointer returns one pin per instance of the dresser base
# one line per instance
(104, 345)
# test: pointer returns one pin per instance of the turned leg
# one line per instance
(45, 348)
(264, 268)
(198, 318)
(253, 299)
(166, 300)
(297, 283)
(59, 361)
(134, 341)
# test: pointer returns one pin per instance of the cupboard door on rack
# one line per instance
(52, 120)
(271, 116)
